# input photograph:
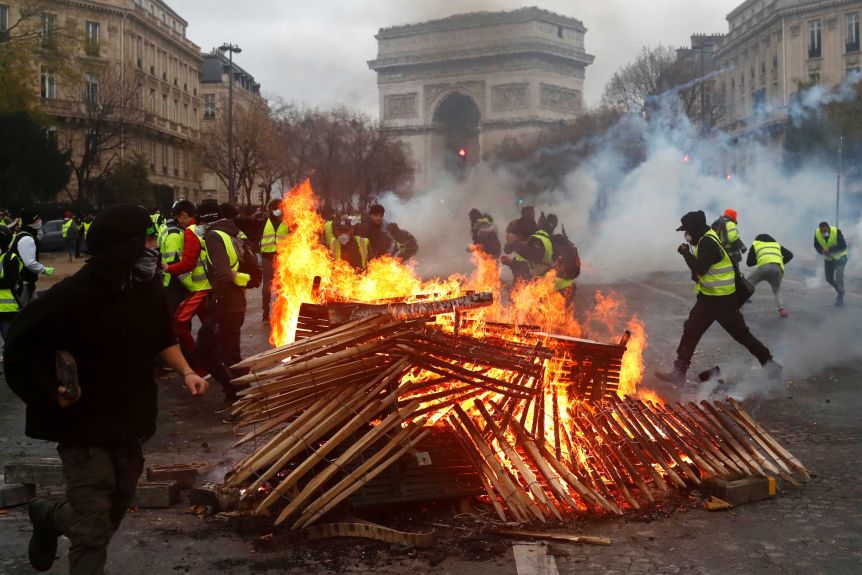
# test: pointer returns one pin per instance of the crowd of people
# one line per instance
(148, 276)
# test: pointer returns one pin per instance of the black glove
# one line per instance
(683, 248)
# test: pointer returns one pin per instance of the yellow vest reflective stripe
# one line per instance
(830, 243)
(768, 253)
(67, 225)
(361, 243)
(230, 248)
(328, 233)
(271, 236)
(562, 283)
(8, 302)
(197, 280)
(171, 248)
(720, 278)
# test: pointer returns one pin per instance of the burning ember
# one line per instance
(553, 423)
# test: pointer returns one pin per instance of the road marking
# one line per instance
(533, 559)
(664, 292)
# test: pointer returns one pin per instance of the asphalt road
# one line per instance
(814, 412)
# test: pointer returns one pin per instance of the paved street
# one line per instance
(815, 414)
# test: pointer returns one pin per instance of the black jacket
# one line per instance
(26, 275)
(113, 335)
(379, 240)
(708, 254)
(786, 254)
(229, 297)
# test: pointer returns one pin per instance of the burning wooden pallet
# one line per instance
(343, 406)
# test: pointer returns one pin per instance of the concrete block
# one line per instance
(12, 494)
(35, 471)
(737, 491)
(186, 474)
(156, 494)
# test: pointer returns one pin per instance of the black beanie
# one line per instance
(28, 217)
(117, 226)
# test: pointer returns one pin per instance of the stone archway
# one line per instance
(456, 124)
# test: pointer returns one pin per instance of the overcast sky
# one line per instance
(315, 52)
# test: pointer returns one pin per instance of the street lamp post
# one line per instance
(231, 191)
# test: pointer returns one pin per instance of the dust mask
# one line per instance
(343, 239)
(825, 235)
(276, 213)
(688, 237)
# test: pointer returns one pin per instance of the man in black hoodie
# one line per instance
(218, 344)
(112, 318)
(714, 275)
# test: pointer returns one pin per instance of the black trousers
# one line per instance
(724, 310)
(218, 345)
(266, 283)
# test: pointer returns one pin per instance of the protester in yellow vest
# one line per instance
(829, 242)
(715, 286)
(349, 247)
(10, 269)
(70, 234)
(769, 256)
(274, 230)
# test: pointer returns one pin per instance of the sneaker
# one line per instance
(43, 543)
(774, 370)
(839, 301)
(676, 377)
(782, 312)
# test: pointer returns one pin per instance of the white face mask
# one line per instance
(344, 238)
(825, 235)
(37, 225)
(276, 213)
(688, 237)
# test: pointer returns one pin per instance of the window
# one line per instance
(91, 45)
(852, 40)
(52, 136)
(49, 83)
(853, 71)
(49, 24)
(814, 77)
(176, 116)
(814, 32)
(91, 90)
(4, 18)
(209, 106)
(164, 106)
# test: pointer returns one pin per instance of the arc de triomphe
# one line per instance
(469, 81)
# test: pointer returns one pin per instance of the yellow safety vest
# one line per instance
(230, 248)
(67, 225)
(328, 233)
(197, 280)
(720, 278)
(270, 238)
(548, 258)
(830, 243)
(8, 301)
(362, 243)
(170, 241)
(87, 228)
(731, 232)
(768, 253)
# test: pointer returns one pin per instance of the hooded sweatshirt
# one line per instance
(113, 327)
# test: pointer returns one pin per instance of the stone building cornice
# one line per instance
(480, 19)
(517, 48)
(734, 40)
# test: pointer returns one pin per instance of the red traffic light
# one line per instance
(462, 152)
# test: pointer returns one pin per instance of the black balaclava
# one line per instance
(117, 241)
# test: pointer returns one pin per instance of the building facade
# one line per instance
(136, 48)
(453, 89)
(774, 48)
(215, 86)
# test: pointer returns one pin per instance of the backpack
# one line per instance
(568, 263)
(248, 264)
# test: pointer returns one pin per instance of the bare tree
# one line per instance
(107, 113)
(654, 72)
